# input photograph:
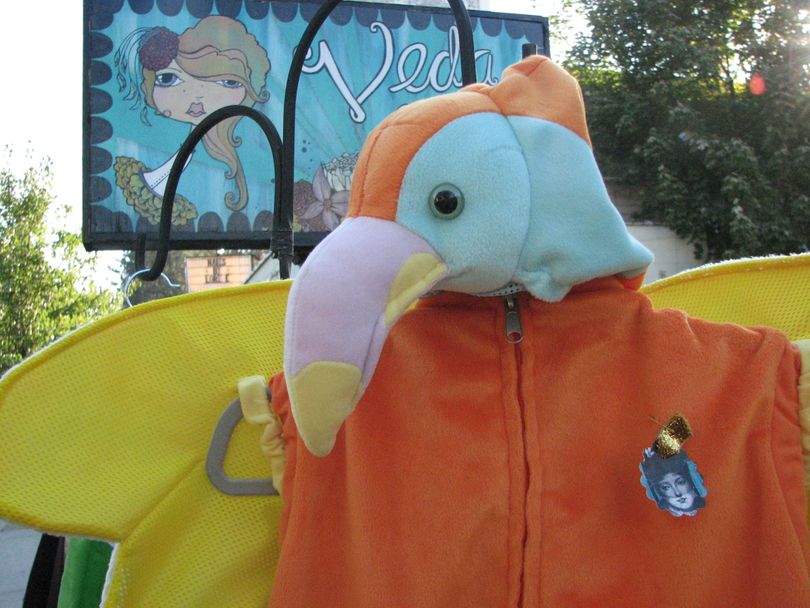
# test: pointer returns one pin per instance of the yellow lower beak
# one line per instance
(322, 395)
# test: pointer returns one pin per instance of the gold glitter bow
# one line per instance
(672, 436)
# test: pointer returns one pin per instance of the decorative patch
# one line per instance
(671, 480)
(672, 436)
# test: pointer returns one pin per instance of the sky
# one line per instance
(41, 101)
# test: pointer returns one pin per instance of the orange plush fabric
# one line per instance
(475, 472)
(535, 87)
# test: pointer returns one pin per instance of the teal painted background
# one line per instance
(366, 61)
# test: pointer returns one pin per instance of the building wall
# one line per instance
(211, 272)
(672, 253)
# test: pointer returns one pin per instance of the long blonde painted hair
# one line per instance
(221, 47)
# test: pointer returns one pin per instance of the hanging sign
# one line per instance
(155, 69)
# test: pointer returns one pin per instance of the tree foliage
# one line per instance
(705, 106)
(46, 289)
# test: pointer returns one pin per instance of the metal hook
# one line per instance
(128, 282)
(183, 154)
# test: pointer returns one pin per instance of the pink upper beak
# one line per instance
(348, 295)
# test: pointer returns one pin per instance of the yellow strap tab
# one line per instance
(256, 410)
(272, 444)
(253, 397)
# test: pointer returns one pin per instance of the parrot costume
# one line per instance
(497, 422)
(469, 377)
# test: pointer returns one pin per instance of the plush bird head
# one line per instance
(483, 191)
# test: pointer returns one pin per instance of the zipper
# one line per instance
(514, 335)
(514, 328)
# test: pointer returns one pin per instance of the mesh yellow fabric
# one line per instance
(104, 434)
(773, 291)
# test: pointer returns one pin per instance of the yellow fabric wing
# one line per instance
(104, 434)
(772, 291)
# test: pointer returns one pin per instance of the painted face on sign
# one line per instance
(185, 77)
(186, 98)
(677, 491)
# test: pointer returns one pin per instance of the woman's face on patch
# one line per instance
(677, 491)
(183, 97)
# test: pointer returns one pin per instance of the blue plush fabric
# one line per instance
(575, 232)
(536, 209)
(481, 157)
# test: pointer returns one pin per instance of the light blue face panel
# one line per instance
(575, 233)
(479, 155)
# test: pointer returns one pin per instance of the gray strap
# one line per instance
(215, 460)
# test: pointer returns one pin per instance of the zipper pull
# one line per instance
(514, 328)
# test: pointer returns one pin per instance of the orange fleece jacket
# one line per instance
(475, 472)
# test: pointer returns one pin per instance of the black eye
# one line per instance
(446, 201)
